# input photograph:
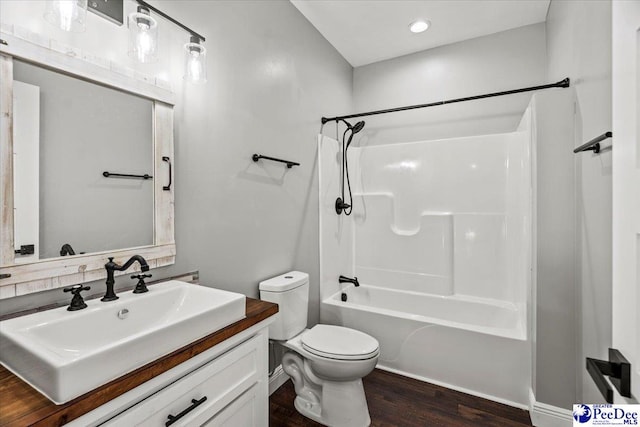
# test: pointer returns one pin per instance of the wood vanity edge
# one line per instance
(21, 405)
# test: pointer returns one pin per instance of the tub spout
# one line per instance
(344, 279)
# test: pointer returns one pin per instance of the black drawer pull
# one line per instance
(194, 404)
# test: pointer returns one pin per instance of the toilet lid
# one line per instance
(337, 342)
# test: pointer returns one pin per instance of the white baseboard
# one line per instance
(544, 415)
(276, 380)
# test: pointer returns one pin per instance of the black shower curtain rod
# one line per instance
(562, 83)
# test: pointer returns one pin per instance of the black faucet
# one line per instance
(344, 279)
(111, 266)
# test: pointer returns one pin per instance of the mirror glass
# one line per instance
(67, 133)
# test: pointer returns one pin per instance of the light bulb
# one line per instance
(66, 9)
(195, 66)
(145, 43)
(195, 62)
(143, 36)
(68, 15)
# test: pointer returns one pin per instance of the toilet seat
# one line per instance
(338, 342)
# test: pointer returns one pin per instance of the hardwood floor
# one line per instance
(397, 401)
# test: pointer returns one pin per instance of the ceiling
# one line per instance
(366, 31)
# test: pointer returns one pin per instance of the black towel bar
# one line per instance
(617, 368)
(125, 175)
(594, 144)
(289, 163)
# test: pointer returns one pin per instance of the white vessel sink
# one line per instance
(64, 354)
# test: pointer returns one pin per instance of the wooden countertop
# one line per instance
(21, 405)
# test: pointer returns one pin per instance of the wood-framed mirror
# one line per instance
(82, 145)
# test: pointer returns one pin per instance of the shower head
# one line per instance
(354, 129)
(357, 127)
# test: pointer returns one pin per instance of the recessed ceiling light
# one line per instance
(419, 26)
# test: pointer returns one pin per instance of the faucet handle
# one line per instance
(77, 303)
(76, 289)
(141, 287)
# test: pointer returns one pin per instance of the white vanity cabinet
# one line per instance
(226, 385)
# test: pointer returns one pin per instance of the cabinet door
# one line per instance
(199, 396)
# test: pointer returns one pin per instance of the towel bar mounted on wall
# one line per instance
(289, 163)
(125, 175)
(594, 144)
(617, 368)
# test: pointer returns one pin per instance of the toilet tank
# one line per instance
(291, 292)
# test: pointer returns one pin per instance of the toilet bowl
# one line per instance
(326, 363)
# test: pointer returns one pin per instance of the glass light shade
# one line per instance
(195, 63)
(143, 37)
(68, 15)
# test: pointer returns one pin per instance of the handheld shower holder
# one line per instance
(341, 205)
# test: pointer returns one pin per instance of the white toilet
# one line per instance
(327, 362)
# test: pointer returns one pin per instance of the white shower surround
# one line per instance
(440, 239)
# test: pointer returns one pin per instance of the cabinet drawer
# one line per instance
(244, 411)
(202, 393)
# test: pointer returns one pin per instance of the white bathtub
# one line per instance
(469, 344)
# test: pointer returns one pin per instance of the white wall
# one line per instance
(506, 60)
(579, 45)
(555, 326)
(271, 78)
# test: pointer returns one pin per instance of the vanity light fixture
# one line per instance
(195, 61)
(143, 36)
(195, 53)
(419, 26)
(68, 15)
